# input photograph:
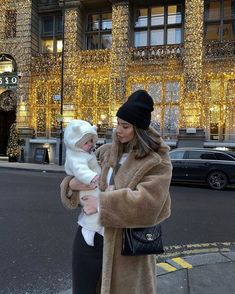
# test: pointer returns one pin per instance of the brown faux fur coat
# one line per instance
(141, 199)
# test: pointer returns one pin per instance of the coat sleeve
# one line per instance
(145, 206)
(69, 198)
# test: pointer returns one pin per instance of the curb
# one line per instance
(193, 255)
(36, 168)
(195, 249)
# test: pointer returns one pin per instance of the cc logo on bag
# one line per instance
(149, 237)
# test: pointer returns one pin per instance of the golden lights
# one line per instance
(96, 82)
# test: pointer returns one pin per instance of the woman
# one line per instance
(139, 198)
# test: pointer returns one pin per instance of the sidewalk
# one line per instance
(207, 273)
(212, 272)
(186, 269)
(32, 166)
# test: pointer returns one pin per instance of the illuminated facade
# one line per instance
(182, 52)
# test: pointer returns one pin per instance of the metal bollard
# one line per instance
(22, 155)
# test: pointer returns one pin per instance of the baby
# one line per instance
(80, 138)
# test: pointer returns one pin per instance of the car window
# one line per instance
(177, 154)
(232, 154)
(221, 156)
(194, 154)
(208, 155)
(201, 155)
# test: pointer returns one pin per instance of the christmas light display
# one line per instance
(192, 84)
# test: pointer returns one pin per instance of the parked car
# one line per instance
(200, 165)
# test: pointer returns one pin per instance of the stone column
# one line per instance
(2, 21)
(23, 59)
(120, 51)
(23, 56)
(72, 46)
(193, 49)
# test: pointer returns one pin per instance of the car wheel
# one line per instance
(217, 180)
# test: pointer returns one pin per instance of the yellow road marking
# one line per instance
(166, 267)
(182, 262)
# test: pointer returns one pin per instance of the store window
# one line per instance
(99, 31)
(95, 110)
(10, 23)
(229, 87)
(51, 33)
(158, 25)
(220, 109)
(46, 108)
(166, 97)
(219, 20)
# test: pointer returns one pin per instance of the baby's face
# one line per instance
(88, 146)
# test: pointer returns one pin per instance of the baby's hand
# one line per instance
(95, 179)
(110, 188)
(95, 182)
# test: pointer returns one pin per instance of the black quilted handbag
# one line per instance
(142, 241)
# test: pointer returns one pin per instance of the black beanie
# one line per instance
(137, 109)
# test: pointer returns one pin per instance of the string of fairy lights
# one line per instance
(96, 82)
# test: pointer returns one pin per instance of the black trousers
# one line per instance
(86, 264)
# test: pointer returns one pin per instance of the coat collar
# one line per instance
(133, 170)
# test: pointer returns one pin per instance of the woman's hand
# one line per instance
(90, 204)
(76, 185)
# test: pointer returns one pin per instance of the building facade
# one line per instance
(64, 59)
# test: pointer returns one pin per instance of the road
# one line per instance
(36, 231)
(200, 215)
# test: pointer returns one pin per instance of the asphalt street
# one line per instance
(200, 215)
(36, 234)
(37, 231)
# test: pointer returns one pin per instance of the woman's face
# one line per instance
(125, 131)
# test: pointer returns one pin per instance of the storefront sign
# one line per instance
(41, 155)
(191, 131)
(8, 81)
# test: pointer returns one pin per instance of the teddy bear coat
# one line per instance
(141, 199)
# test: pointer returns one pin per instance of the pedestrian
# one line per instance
(134, 195)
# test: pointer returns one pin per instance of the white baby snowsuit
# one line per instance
(84, 166)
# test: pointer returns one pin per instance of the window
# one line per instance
(158, 25)
(220, 103)
(221, 156)
(10, 24)
(219, 20)
(194, 154)
(166, 97)
(177, 154)
(208, 155)
(51, 34)
(99, 31)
